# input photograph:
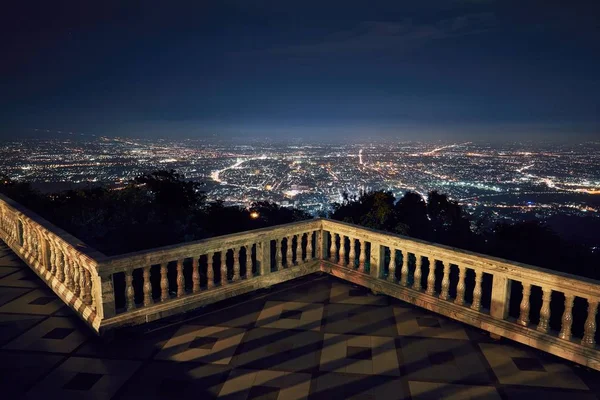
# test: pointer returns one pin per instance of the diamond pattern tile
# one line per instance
(43, 300)
(82, 381)
(58, 333)
(312, 338)
(528, 364)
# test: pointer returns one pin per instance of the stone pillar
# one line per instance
(164, 282)
(263, 256)
(87, 287)
(524, 307)
(76, 272)
(129, 293)
(333, 248)
(342, 261)
(476, 305)
(223, 267)
(444, 295)
(590, 324)
(180, 279)
(500, 299)
(322, 244)
(418, 272)
(210, 272)
(309, 246)
(106, 296)
(147, 287)
(236, 264)
(545, 311)
(377, 260)
(404, 268)
(299, 248)
(460, 287)
(195, 275)
(392, 267)
(567, 318)
(431, 277)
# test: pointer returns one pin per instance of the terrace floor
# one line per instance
(315, 337)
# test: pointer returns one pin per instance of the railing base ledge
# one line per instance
(203, 298)
(568, 350)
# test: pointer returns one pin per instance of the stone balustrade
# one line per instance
(66, 264)
(471, 288)
(547, 310)
(143, 286)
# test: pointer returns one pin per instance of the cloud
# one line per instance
(373, 36)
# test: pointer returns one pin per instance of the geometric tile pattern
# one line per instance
(316, 337)
(521, 366)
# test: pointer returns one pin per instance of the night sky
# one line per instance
(449, 69)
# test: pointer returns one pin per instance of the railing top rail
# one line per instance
(574, 284)
(68, 241)
(196, 248)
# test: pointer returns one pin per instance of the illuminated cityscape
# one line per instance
(512, 181)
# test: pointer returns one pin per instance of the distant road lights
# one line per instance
(254, 214)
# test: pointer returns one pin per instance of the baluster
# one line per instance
(24, 233)
(82, 282)
(87, 288)
(164, 282)
(180, 279)
(476, 305)
(392, 267)
(76, 287)
(210, 273)
(545, 311)
(52, 259)
(524, 307)
(129, 294)
(320, 246)
(93, 287)
(343, 250)
(362, 257)
(431, 277)
(590, 324)
(460, 288)
(309, 246)
(333, 248)
(68, 272)
(60, 268)
(298, 249)
(278, 254)
(352, 254)
(418, 273)
(288, 251)
(236, 264)
(195, 275)
(147, 287)
(224, 279)
(404, 269)
(445, 295)
(567, 318)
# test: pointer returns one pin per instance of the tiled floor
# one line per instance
(315, 337)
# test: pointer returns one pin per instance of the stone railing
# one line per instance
(67, 265)
(471, 288)
(547, 310)
(148, 285)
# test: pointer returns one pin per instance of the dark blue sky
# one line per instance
(407, 69)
